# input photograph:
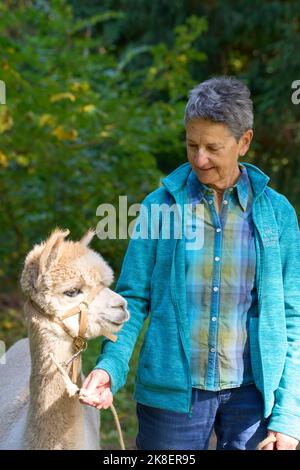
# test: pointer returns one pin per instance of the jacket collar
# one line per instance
(176, 180)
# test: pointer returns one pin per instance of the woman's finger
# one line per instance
(104, 404)
(270, 446)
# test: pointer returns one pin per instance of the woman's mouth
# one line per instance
(207, 169)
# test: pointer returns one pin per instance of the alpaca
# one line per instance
(37, 411)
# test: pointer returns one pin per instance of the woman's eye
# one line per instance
(72, 292)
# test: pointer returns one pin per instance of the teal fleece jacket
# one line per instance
(153, 280)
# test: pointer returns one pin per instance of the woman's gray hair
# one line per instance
(222, 99)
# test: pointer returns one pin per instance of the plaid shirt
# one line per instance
(220, 285)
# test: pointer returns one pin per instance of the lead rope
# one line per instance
(118, 426)
(112, 408)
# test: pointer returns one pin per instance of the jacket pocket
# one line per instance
(161, 362)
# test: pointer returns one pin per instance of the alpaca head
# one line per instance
(59, 274)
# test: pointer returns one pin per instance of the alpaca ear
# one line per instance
(88, 237)
(51, 249)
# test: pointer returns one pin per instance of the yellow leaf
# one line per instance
(62, 96)
(152, 71)
(83, 86)
(88, 108)
(107, 130)
(5, 65)
(63, 134)
(110, 126)
(46, 119)
(3, 160)
(22, 160)
(236, 64)
(6, 120)
(104, 134)
(182, 58)
(7, 325)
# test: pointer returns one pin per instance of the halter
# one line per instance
(79, 341)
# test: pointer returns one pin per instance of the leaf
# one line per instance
(6, 120)
(3, 160)
(7, 325)
(62, 96)
(47, 119)
(80, 86)
(22, 160)
(88, 108)
(131, 53)
(62, 134)
(93, 20)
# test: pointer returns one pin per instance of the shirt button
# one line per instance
(218, 230)
(216, 289)
(217, 258)
(213, 318)
(225, 202)
(210, 201)
(212, 350)
(230, 189)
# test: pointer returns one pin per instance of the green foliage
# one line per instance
(256, 41)
(80, 127)
(259, 42)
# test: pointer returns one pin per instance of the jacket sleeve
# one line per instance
(285, 417)
(134, 285)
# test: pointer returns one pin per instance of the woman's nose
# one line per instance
(200, 159)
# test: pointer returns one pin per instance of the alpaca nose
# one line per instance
(119, 304)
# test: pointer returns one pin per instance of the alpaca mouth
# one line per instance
(114, 325)
(117, 318)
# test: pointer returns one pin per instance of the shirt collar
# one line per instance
(197, 189)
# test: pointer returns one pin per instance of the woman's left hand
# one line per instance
(283, 442)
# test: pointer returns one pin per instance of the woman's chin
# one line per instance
(205, 177)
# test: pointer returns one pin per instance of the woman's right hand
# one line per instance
(96, 390)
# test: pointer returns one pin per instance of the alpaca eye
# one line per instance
(73, 292)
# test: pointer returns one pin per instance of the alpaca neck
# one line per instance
(55, 420)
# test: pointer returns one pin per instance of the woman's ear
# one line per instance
(245, 142)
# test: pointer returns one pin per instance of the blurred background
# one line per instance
(95, 98)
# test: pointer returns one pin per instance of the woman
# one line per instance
(222, 350)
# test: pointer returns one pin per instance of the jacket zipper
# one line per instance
(174, 297)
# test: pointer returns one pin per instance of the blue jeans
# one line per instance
(236, 415)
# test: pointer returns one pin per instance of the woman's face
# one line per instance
(213, 152)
